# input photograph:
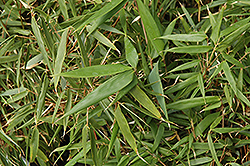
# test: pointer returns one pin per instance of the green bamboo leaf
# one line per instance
(125, 90)
(106, 89)
(13, 91)
(34, 144)
(42, 156)
(34, 61)
(67, 109)
(17, 97)
(201, 86)
(212, 106)
(85, 131)
(143, 59)
(40, 42)
(131, 54)
(61, 52)
(41, 98)
(182, 152)
(93, 147)
(227, 41)
(182, 75)
(185, 66)
(6, 47)
(99, 21)
(154, 79)
(212, 149)
(104, 10)
(226, 130)
(63, 9)
(10, 58)
(185, 37)
(182, 141)
(185, 24)
(234, 27)
(8, 140)
(182, 85)
(150, 26)
(203, 125)
(190, 20)
(190, 49)
(228, 96)
(144, 100)
(217, 70)
(158, 137)
(126, 132)
(101, 38)
(232, 60)
(242, 97)
(240, 80)
(216, 28)
(97, 70)
(113, 138)
(198, 161)
(229, 76)
(245, 2)
(72, 7)
(193, 102)
(216, 122)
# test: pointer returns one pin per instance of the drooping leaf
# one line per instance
(145, 101)
(131, 54)
(97, 70)
(150, 26)
(190, 49)
(193, 102)
(61, 52)
(123, 125)
(186, 37)
(154, 79)
(106, 89)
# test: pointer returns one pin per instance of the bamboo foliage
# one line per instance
(124, 82)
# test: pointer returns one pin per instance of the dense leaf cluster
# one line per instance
(124, 82)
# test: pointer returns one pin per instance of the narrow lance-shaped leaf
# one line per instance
(216, 28)
(40, 42)
(103, 39)
(232, 60)
(154, 79)
(97, 70)
(190, 20)
(41, 98)
(203, 125)
(212, 149)
(190, 49)
(104, 10)
(34, 144)
(144, 100)
(67, 108)
(158, 137)
(106, 89)
(61, 52)
(182, 85)
(131, 54)
(150, 26)
(201, 86)
(185, 37)
(63, 8)
(193, 102)
(113, 138)
(84, 141)
(185, 66)
(93, 146)
(126, 132)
